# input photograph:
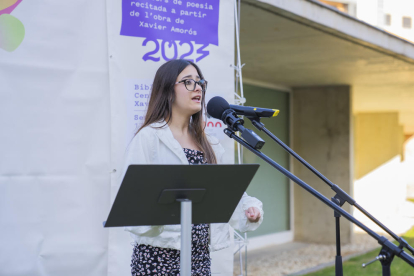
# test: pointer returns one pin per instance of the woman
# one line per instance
(173, 133)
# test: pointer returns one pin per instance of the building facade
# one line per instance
(345, 89)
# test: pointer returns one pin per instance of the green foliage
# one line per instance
(353, 265)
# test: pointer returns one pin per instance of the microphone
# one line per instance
(220, 109)
(258, 112)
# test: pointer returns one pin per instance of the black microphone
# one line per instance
(220, 109)
(257, 112)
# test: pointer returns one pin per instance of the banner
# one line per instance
(74, 84)
(54, 138)
(142, 35)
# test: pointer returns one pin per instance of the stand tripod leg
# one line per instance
(185, 254)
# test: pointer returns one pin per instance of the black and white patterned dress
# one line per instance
(150, 260)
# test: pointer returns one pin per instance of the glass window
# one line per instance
(406, 22)
(269, 185)
(388, 19)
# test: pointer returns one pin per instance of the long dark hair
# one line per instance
(162, 97)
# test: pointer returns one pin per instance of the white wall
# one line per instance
(372, 12)
(409, 165)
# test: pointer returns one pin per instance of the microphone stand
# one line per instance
(389, 250)
(340, 198)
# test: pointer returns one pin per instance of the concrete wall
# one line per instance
(322, 136)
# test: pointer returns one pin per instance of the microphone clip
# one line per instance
(230, 118)
(235, 123)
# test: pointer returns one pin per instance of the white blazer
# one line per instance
(155, 145)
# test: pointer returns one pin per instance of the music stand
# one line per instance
(180, 194)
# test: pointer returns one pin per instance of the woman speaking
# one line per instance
(173, 133)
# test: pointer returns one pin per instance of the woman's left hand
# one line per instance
(253, 214)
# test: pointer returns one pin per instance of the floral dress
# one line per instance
(150, 260)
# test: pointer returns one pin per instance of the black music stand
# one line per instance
(180, 194)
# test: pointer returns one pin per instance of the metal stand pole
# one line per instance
(245, 253)
(386, 270)
(387, 245)
(185, 254)
(341, 196)
(338, 258)
(339, 271)
(386, 261)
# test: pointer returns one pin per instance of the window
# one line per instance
(406, 22)
(388, 19)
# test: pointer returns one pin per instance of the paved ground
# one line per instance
(290, 258)
(300, 258)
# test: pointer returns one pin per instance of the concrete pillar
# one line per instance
(322, 136)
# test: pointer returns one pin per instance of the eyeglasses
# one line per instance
(190, 84)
